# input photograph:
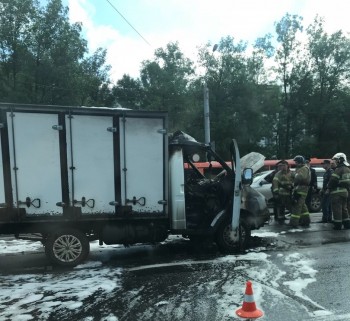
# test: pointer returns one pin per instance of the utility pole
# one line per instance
(206, 109)
(206, 114)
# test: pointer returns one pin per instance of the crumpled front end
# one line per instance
(254, 203)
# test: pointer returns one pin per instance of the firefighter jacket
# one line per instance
(282, 183)
(339, 183)
(302, 177)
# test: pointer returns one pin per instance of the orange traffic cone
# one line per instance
(248, 309)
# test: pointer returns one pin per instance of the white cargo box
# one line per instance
(82, 161)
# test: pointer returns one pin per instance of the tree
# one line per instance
(330, 63)
(129, 93)
(165, 81)
(91, 75)
(16, 18)
(239, 104)
(43, 57)
(262, 50)
(287, 55)
(58, 49)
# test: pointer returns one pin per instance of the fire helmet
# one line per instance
(341, 157)
(299, 159)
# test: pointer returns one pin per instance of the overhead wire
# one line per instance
(128, 22)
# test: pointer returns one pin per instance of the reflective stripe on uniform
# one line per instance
(339, 190)
(345, 177)
(346, 181)
(284, 193)
(302, 193)
(295, 216)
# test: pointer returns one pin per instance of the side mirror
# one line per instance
(247, 177)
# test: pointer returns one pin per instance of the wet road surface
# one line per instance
(297, 274)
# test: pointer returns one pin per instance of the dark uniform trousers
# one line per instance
(340, 208)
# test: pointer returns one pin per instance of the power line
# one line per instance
(127, 22)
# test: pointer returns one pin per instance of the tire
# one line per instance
(196, 238)
(67, 247)
(315, 204)
(231, 242)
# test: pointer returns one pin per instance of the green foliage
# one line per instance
(165, 83)
(299, 106)
(287, 58)
(239, 104)
(44, 59)
(128, 93)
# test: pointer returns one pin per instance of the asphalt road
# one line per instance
(297, 274)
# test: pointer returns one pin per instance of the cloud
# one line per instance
(124, 53)
(190, 22)
(335, 14)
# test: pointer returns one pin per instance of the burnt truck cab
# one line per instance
(202, 204)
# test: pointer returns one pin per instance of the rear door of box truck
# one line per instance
(143, 164)
(35, 162)
(90, 153)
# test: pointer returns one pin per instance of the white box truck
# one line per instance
(70, 175)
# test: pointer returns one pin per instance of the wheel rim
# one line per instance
(67, 248)
(315, 203)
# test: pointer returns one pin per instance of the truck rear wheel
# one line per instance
(67, 247)
(230, 241)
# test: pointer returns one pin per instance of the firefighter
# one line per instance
(282, 185)
(326, 197)
(299, 212)
(339, 185)
(312, 185)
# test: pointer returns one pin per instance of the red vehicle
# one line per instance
(271, 163)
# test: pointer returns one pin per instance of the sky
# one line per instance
(192, 23)
(35, 295)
